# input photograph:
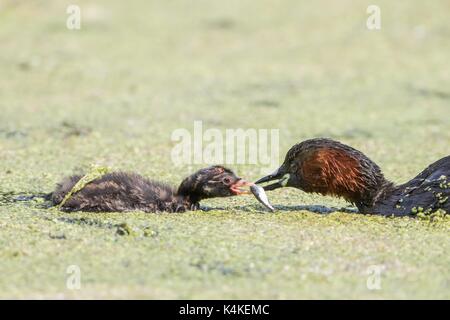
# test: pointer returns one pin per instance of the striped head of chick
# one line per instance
(212, 182)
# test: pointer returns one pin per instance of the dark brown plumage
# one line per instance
(329, 167)
(129, 191)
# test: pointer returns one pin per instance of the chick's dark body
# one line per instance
(120, 191)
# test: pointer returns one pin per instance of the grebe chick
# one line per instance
(120, 191)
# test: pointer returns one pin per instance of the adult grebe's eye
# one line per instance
(226, 180)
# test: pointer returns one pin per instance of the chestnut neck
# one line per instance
(343, 172)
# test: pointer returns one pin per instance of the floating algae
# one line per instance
(95, 173)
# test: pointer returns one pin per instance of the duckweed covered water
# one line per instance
(71, 99)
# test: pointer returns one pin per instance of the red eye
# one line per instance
(226, 181)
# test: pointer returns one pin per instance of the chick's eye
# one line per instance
(226, 181)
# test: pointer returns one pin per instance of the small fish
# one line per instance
(260, 194)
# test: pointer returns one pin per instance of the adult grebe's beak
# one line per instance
(280, 174)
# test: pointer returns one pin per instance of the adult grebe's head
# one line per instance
(328, 167)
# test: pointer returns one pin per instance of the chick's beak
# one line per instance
(238, 187)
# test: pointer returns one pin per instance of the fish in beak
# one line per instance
(261, 196)
(239, 188)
